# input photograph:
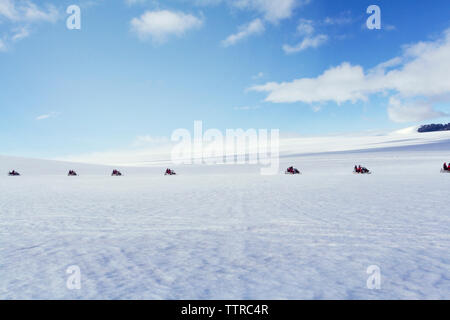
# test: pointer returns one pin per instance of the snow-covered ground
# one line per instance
(226, 232)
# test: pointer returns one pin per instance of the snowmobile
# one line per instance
(116, 173)
(292, 170)
(170, 172)
(72, 173)
(13, 173)
(445, 171)
(361, 170)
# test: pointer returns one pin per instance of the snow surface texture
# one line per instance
(226, 232)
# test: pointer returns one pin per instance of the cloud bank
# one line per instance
(413, 80)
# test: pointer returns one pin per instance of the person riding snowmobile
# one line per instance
(446, 168)
(116, 173)
(359, 169)
(169, 172)
(292, 170)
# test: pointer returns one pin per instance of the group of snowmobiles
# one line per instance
(115, 173)
(358, 169)
(72, 173)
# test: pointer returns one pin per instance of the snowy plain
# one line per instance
(227, 232)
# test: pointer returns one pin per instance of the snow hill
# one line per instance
(403, 139)
(226, 232)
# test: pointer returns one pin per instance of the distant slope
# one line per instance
(407, 139)
(27, 166)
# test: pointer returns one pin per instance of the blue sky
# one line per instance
(142, 68)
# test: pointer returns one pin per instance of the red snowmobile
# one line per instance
(169, 172)
(361, 170)
(116, 173)
(292, 170)
(72, 173)
(13, 173)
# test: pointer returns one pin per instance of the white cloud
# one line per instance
(268, 11)
(416, 111)
(20, 33)
(160, 24)
(305, 27)
(421, 72)
(32, 13)
(258, 76)
(272, 11)
(342, 19)
(47, 116)
(254, 27)
(134, 2)
(27, 11)
(307, 42)
(43, 117)
(394, 62)
(7, 9)
(339, 84)
(19, 15)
